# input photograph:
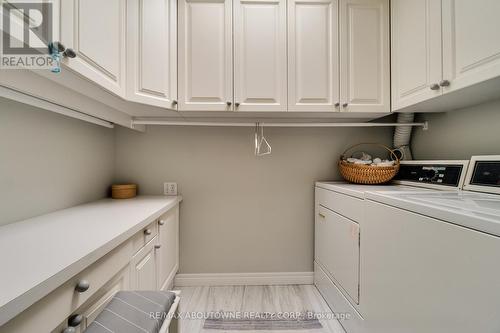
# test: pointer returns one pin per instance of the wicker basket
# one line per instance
(367, 174)
(125, 191)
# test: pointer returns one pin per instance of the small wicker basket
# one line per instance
(367, 174)
(125, 191)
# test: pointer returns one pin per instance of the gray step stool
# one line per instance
(137, 312)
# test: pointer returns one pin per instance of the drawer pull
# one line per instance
(75, 320)
(147, 232)
(69, 330)
(321, 215)
(82, 286)
(157, 246)
(161, 222)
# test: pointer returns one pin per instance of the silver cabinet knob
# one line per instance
(434, 86)
(157, 246)
(229, 103)
(147, 232)
(75, 320)
(69, 53)
(82, 286)
(337, 104)
(345, 105)
(174, 102)
(161, 222)
(237, 104)
(69, 330)
(444, 83)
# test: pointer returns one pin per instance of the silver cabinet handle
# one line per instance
(75, 320)
(161, 222)
(229, 103)
(237, 104)
(174, 102)
(82, 286)
(147, 232)
(69, 330)
(345, 105)
(434, 86)
(444, 83)
(337, 104)
(157, 246)
(321, 215)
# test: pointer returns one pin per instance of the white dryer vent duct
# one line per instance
(402, 136)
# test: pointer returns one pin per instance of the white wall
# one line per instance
(50, 162)
(240, 213)
(459, 134)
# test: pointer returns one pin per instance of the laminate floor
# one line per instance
(196, 302)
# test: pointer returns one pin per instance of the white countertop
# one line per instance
(39, 254)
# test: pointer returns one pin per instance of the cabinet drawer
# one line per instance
(51, 310)
(340, 254)
(140, 239)
(345, 205)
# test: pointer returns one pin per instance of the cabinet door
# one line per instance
(471, 44)
(416, 51)
(152, 52)
(341, 256)
(313, 63)
(168, 255)
(260, 61)
(96, 31)
(364, 44)
(205, 55)
(143, 275)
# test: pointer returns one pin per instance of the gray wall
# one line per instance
(240, 213)
(459, 134)
(50, 162)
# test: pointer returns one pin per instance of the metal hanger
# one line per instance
(262, 146)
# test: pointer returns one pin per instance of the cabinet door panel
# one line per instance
(96, 31)
(471, 45)
(260, 55)
(416, 51)
(168, 259)
(151, 51)
(313, 63)
(364, 37)
(205, 55)
(143, 268)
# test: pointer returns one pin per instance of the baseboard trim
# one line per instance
(237, 279)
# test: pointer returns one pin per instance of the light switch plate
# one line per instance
(170, 188)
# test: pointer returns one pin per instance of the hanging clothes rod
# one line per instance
(424, 125)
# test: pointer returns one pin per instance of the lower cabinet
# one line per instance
(146, 261)
(143, 268)
(168, 253)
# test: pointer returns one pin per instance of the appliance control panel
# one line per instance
(434, 173)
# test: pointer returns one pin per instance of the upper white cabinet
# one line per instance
(442, 46)
(416, 51)
(313, 62)
(152, 52)
(205, 55)
(95, 30)
(471, 42)
(260, 62)
(364, 45)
